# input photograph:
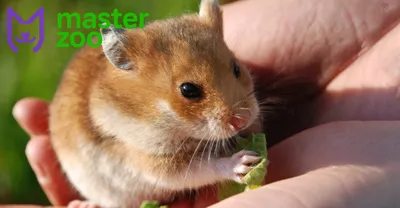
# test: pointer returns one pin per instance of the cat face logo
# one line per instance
(25, 36)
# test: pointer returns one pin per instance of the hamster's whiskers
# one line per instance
(238, 106)
(191, 160)
(202, 154)
(245, 109)
(165, 168)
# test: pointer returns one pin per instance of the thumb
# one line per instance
(343, 164)
(340, 187)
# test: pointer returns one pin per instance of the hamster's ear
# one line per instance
(211, 13)
(113, 41)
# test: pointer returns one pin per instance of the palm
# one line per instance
(345, 70)
(297, 47)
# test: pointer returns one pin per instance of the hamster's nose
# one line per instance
(238, 122)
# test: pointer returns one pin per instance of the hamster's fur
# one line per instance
(148, 115)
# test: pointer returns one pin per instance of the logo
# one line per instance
(25, 36)
(90, 21)
(67, 39)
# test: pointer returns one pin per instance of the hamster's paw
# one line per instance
(243, 162)
(82, 204)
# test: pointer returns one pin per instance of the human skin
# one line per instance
(342, 145)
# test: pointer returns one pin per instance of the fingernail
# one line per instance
(16, 111)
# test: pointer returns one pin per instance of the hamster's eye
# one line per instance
(190, 90)
(236, 70)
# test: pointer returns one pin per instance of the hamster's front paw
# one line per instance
(82, 204)
(242, 163)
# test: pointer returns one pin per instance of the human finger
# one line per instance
(32, 115)
(43, 161)
(344, 164)
(295, 48)
(309, 39)
(368, 89)
(340, 186)
(370, 143)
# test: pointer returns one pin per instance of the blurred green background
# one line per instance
(28, 74)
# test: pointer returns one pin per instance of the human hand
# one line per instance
(32, 115)
(344, 164)
(321, 61)
(351, 63)
(346, 160)
(313, 51)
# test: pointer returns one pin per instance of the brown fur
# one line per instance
(164, 54)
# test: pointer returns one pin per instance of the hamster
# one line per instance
(149, 114)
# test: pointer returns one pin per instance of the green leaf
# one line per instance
(151, 204)
(255, 177)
